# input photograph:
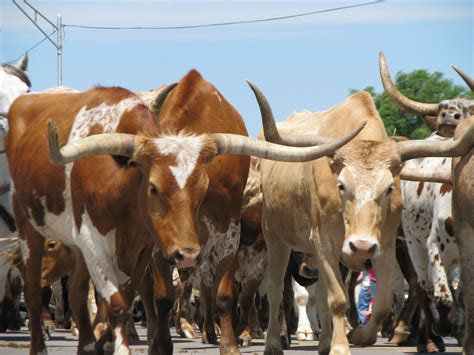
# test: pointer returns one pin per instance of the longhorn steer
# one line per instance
(345, 207)
(130, 188)
(427, 216)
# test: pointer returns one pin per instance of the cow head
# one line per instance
(442, 117)
(173, 176)
(368, 180)
(57, 262)
(369, 189)
(176, 185)
(14, 84)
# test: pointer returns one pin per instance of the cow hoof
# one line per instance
(340, 350)
(75, 332)
(273, 352)
(359, 337)
(305, 335)
(231, 350)
(133, 337)
(99, 330)
(3, 327)
(285, 344)
(427, 348)
(209, 339)
(46, 334)
(162, 350)
(257, 334)
(441, 328)
(187, 331)
(217, 329)
(245, 339)
(399, 337)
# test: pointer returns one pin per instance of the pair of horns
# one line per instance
(406, 104)
(127, 144)
(406, 149)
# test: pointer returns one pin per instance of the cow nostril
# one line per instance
(372, 249)
(178, 256)
(457, 116)
(353, 247)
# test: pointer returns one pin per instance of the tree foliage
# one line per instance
(421, 86)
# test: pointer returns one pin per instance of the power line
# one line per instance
(33, 47)
(225, 23)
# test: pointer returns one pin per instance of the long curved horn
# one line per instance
(234, 144)
(411, 174)
(428, 148)
(160, 99)
(270, 130)
(401, 101)
(107, 143)
(467, 79)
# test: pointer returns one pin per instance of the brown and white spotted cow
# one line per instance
(427, 215)
(196, 106)
(122, 184)
(345, 207)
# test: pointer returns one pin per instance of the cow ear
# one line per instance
(209, 151)
(431, 122)
(133, 163)
(336, 165)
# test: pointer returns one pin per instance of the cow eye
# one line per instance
(341, 186)
(389, 189)
(153, 189)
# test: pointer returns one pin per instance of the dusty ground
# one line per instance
(64, 343)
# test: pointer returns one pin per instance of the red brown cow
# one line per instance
(130, 188)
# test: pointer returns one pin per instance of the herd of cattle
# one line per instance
(155, 194)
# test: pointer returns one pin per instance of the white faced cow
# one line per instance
(346, 207)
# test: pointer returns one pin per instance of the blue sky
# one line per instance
(303, 63)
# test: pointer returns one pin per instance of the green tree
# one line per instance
(421, 86)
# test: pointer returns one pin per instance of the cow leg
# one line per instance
(312, 310)
(147, 295)
(224, 304)
(78, 291)
(31, 249)
(48, 324)
(98, 255)
(183, 325)
(383, 265)
(34, 245)
(164, 299)
(352, 315)
(57, 289)
(207, 303)
(278, 256)
(246, 302)
(465, 239)
(322, 309)
(401, 332)
(337, 301)
(304, 331)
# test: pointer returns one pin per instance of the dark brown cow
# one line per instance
(130, 188)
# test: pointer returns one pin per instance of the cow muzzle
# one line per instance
(308, 271)
(360, 247)
(184, 257)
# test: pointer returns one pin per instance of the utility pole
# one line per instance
(59, 33)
